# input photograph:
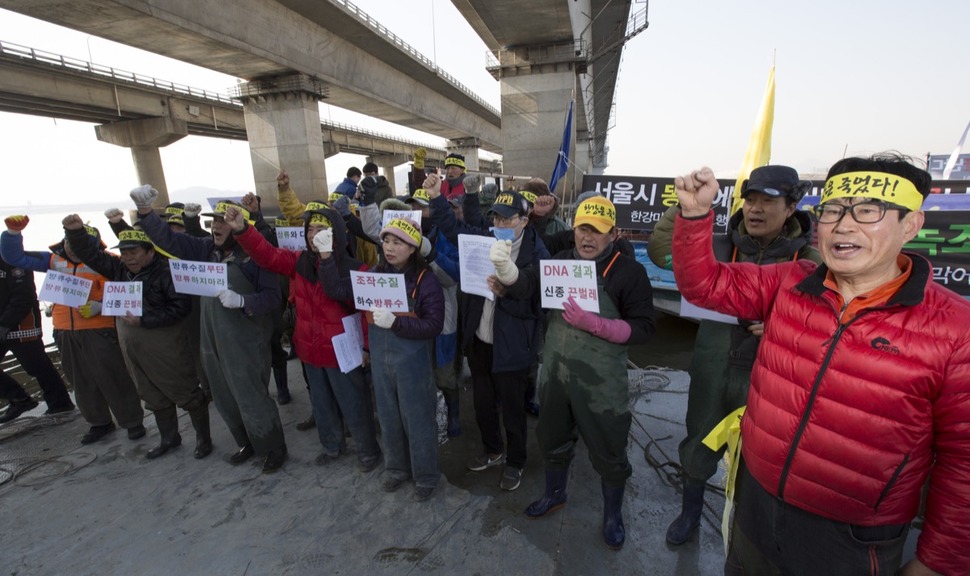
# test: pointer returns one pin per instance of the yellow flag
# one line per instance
(759, 146)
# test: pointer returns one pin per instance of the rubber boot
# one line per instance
(452, 403)
(199, 413)
(282, 390)
(168, 427)
(683, 526)
(554, 497)
(613, 532)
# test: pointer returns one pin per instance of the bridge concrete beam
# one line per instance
(144, 137)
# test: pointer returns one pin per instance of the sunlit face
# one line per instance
(452, 172)
(765, 216)
(866, 253)
(396, 251)
(220, 231)
(590, 242)
(311, 231)
(136, 258)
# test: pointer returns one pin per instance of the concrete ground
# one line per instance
(105, 509)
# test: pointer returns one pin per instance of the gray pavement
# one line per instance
(105, 509)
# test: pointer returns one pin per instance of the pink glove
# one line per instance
(616, 331)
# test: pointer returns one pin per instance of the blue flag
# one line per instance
(562, 160)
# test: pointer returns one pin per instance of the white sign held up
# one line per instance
(561, 279)
(291, 238)
(199, 278)
(413, 215)
(65, 289)
(374, 290)
(120, 298)
(474, 265)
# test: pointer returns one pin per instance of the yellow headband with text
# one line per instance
(529, 196)
(404, 226)
(320, 220)
(141, 237)
(875, 186)
(220, 210)
(452, 161)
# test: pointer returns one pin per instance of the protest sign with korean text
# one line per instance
(119, 298)
(375, 290)
(561, 279)
(412, 215)
(291, 238)
(945, 241)
(65, 289)
(474, 265)
(198, 278)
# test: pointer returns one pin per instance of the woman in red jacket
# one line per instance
(319, 317)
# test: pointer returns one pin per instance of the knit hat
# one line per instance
(597, 212)
(404, 229)
(455, 160)
(420, 196)
(509, 203)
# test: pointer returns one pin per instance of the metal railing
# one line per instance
(353, 10)
(78, 65)
(373, 134)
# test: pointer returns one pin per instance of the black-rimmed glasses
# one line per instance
(864, 213)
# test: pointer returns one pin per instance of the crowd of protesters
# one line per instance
(854, 366)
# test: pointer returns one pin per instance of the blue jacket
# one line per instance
(348, 187)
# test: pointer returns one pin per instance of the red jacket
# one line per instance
(846, 421)
(318, 317)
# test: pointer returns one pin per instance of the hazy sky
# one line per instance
(852, 77)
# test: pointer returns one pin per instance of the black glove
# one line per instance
(368, 191)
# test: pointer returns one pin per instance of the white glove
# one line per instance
(231, 299)
(192, 209)
(472, 182)
(114, 215)
(425, 247)
(383, 317)
(501, 256)
(323, 241)
(143, 196)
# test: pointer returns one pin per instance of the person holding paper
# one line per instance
(104, 390)
(401, 351)
(236, 328)
(767, 230)
(20, 334)
(859, 392)
(584, 384)
(156, 344)
(319, 318)
(501, 336)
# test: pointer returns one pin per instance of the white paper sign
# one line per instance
(561, 279)
(199, 278)
(349, 354)
(474, 265)
(373, 290)
(120, 298)
(291, 238)
(352, 328)
(688, 310)
(413, 215)
(65, 289)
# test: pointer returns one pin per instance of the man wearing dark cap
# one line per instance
(236, 328)
(501, 335)
(768, 229)
(155, 344)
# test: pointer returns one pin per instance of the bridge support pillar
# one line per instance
(283, 127)
(537, 83)
(144, 137)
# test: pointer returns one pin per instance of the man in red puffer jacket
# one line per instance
(861, 387)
